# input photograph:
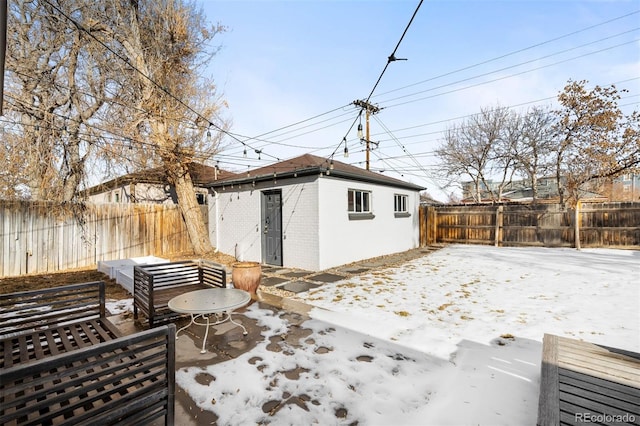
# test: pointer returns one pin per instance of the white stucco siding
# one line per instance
(344, 240)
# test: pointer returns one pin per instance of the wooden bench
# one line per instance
(154, 285)
(585, 383)
(64, 362)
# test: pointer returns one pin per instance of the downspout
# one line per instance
(215, 197)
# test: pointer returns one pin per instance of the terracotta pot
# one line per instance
(246, 276)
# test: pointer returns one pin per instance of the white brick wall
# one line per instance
(316, 231)
(238, 223)
(236, 231)
(300, 224)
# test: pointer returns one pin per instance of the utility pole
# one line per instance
(369, 109)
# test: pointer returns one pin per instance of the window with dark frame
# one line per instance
(400, 203)
(358, 201)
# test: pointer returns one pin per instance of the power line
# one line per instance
(515, 52)
(152, 81)
(483, 63)
(505, 77)
(391, 58)
(307, 120)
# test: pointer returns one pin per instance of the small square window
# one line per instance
(359, 204)
(400, 203)
(358, 201)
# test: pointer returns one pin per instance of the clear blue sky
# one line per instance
(285, 62)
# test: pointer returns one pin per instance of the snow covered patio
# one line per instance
(453, 337)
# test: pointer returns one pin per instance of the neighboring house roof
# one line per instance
(526, 195)
(200, 174)
(309, 164)
(427, 200)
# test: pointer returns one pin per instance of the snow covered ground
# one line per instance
(454, 337)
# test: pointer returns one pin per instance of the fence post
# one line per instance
(434, 228)
(423, 224)
(499, 222)
(577, 225)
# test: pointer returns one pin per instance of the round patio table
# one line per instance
(211, 301)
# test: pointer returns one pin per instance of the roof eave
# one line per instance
(317, 170)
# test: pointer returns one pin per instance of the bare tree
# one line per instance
(112, 82)
(595, 140)
(165, 44)
(478, 149)
(505, 137)
(55, 88)
(31, 94)
(460, 155)
(532, 149)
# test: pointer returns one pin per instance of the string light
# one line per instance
(79, 27)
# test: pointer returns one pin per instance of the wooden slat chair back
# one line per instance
(26, 311)
(154, 285)
(125, 381)
(583, 383)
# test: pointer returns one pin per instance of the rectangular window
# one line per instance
(400, 203)
(358, 201)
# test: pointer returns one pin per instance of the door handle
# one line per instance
(266, 227)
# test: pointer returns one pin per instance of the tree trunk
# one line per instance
(191, 213)
(559, 180)
(576, 225)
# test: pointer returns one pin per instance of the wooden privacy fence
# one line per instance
(38, 237)
(548, 225)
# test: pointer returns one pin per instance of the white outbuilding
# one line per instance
(312, 213)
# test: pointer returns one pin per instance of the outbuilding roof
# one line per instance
(200, 174)
(309, 164)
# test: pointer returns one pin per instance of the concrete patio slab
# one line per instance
(299, 286)
(326, 277)
(296, 274)
(272, 280)
(353, 270)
